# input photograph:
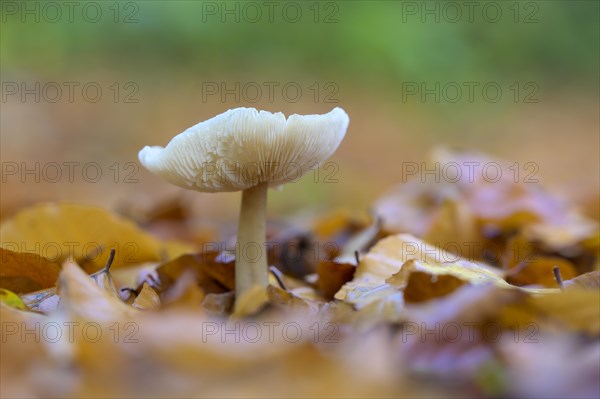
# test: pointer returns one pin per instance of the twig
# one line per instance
(558, 277)
(357, 257)
(278, 276)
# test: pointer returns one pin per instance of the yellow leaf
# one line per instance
(86, 234)
(575, 308)
(147, 299)
(538, 271)
(11, 299)
(250, 302)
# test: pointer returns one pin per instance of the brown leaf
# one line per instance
(389, 257)
(423, 286)
(26, 272)
(214, 273)
(333, 275)
(422, 281)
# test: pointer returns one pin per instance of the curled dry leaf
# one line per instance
(587, 281)
(95, 230)
(103, 279)
(135, 276)
(23, 272)
(44, 301)
(147, 299)
(390, 254)
(81, 297)
(422, 281)
(47, 300)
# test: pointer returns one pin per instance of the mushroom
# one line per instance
(247, 150)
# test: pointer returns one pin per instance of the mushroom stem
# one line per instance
(250, 266)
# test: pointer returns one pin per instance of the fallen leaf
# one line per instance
(579, 310)
(423, 286)
(382, 305)
(44, 301)
(455, 223)
(184, 292)
(12, 300)
(82, 297)
(588, 281)
(333, 275)
(421, 281)
(287, 301)
(147, 299)
(251, 301)
(85, 234)
(219, 304)
(47, 300)
(23, 272)
(214, 272)
(390, 254)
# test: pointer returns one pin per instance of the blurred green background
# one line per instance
(360, 55)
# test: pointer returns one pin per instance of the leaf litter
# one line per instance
(394, 308)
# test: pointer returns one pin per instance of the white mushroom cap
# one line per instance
(243, 147)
